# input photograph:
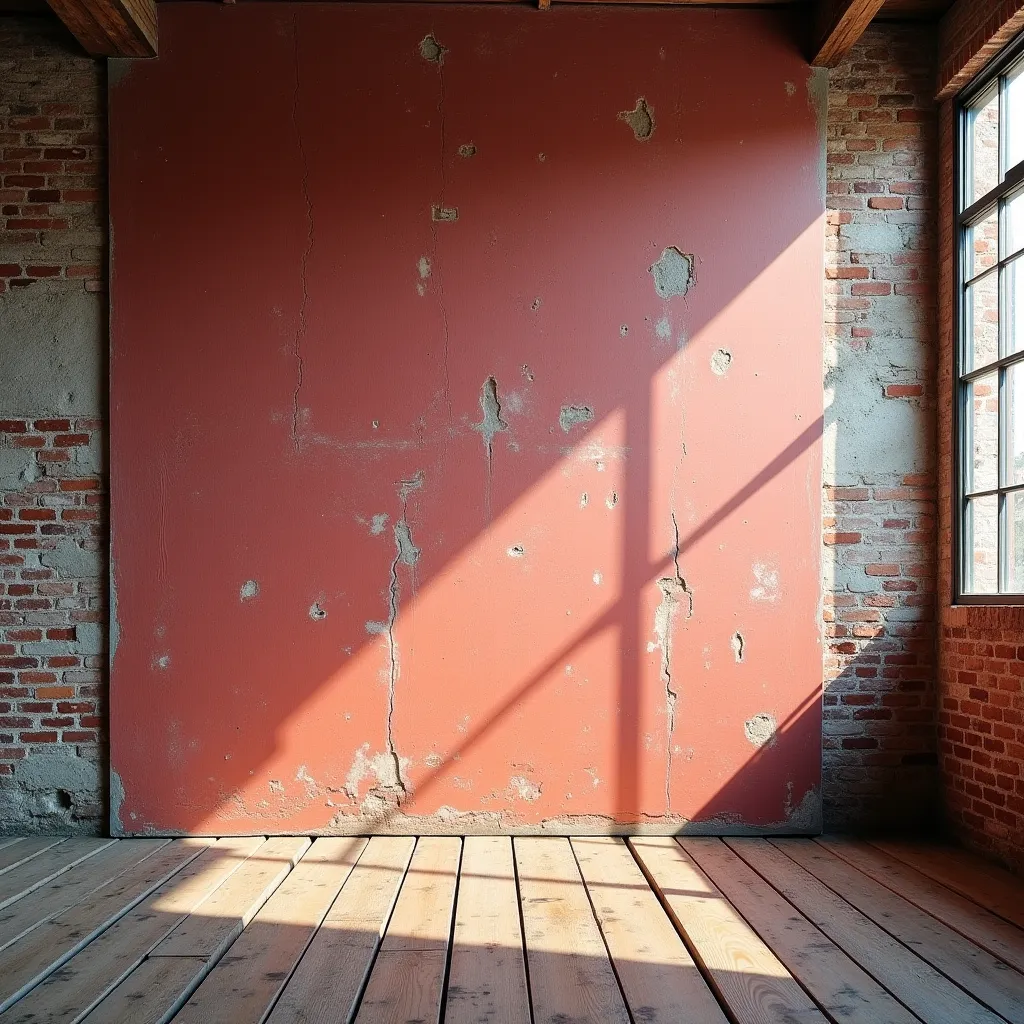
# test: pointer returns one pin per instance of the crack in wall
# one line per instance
(673, 590)
(406, 553)
(300, 333)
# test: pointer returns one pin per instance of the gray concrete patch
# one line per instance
(52, 791)
(72, 561)
(52, 352)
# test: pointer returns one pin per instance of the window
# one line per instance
(989, 311)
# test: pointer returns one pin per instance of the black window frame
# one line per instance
(1009, 187)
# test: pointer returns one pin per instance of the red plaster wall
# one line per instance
(284, 368)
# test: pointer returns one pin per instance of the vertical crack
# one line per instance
(300, 333)
(673, 591)
(406, 553)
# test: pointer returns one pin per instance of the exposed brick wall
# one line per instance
(971, 33)
(981, 650)
(52, 483)
(879, 501)
(52, 156)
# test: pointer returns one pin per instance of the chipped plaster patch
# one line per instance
(384, 771)
(431, 50)
(640, 119)
(672, 273)
(516, 551)
(249, 590)
(408, 553)
(721, 359)
(467, 149)
(737, 643)
(491, 422)
(444, 214)
(317, 612)
(572, 415)
(761, 729)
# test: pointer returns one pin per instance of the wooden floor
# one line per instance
(488, 929)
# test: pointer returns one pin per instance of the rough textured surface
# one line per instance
(504, 653)
(52, 436)
(879, 463)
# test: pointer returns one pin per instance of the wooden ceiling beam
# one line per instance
(110, 28)
(839, 24)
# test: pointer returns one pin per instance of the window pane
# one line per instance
(983, 140)
(1015, 542)
(982, 322)
(1015, 116)
(1013, 238)
(983, 244)
(981, 535)
(1013, 292)
(1014, 398)
(983, 420)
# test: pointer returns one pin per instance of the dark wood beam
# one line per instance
(839, 24)
(111, 28)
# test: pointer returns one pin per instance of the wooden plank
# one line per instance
(95, 970)
(20, 851)
(487, 977)
(966, 873)
(246, 981)
(571, 977)
(408, 976)
(45, 866)
(981, 974)
(746, 975)
(111, 28)
(326, 985)
(839, 24)
(219, 920)
(661, 983)
(836, 983)
(159, 981)
(916, 984)
(200, 939)
(999, 937)
(66, 890)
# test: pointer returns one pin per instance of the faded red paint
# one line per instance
(276, 375)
